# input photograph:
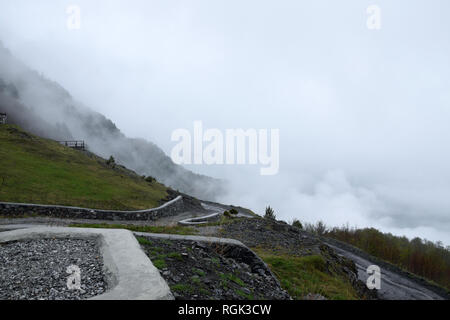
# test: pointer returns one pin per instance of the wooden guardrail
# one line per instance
(75, 144)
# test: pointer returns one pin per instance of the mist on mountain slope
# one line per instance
(313, 193)
(45, 108)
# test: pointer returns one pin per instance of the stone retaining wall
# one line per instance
(170, 208)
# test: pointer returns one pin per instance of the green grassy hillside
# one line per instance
(37, 170)
(308, 274)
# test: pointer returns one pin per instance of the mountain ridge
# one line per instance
(43, 107)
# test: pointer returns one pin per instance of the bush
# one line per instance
(296, 223)
(111, 161)
(150, 179)
(319, 228)
(234, 211)
(227, 214)
(270, 213)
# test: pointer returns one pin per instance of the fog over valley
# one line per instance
(362, 115)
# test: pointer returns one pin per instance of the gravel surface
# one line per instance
(36, 269)
(272, 235)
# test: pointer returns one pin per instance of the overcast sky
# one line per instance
(364, 115)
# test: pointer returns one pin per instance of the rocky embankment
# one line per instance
(199, 270)
(279, 237)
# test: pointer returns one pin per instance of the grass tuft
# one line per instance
(302, 275)
(159, 263)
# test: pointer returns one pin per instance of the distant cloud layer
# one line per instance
(363, 114)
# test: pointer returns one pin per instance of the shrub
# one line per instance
(319, 228)
(296, 223)
(159, 263)
(270, 213)
(150, 179)
(234, 211)
(111, 161)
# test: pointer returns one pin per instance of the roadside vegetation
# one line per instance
(300, 276)
(270, 214)
(421, 257)
(41, 171)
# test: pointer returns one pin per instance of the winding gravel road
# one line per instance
(393, 286)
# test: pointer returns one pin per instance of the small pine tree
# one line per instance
(321, 228)
(296, 223)
(270, 213)
(111, 161)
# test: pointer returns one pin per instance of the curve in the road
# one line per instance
(217, 212)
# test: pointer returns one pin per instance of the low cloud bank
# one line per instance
(336, 200)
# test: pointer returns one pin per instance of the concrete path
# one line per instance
(129, 272)
(140, 279)
(192, 238)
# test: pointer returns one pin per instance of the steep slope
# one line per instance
(37, 170)
(301, 261)
(44, 108)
